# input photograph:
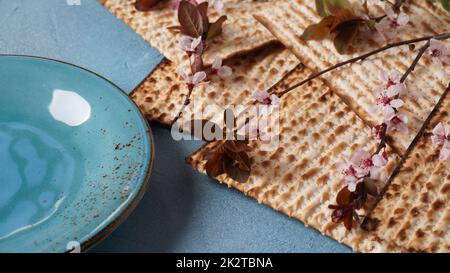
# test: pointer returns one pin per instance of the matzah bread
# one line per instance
(355, 83)
(300, 178)
(241, 32)
(415, 210)
(162, 94)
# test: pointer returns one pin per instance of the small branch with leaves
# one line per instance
(198, 31)
(363, 169)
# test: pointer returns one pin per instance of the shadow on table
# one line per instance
(166, 207)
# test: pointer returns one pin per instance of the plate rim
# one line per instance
(127, 210)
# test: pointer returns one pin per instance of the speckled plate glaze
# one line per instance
(75, 155)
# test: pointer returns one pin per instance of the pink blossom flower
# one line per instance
(391, 82)
(441, 137)
(222, 71)
(217, 4)
(351, 178)
(386, 98)
(192, 81)
(265, 98)
(389, 26)
(189, 45)
(395, 121)
(361, 165)
(439, 53)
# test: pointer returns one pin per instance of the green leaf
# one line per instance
(371, 188)
(445, 4)
(190, 19)
(234, 172)
(320, 8)
(215, 29)
(145, 5)
(334, 6)
(318, 31)
(346, 33)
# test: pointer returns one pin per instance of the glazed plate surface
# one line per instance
(75, 155)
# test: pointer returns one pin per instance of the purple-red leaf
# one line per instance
(190, 19)
(203, 9)
(346, 33)
(234, 172)
(145, 5)
(214, 164)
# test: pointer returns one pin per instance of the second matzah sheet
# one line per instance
(355, 83)
(241, 32)
(415, 211)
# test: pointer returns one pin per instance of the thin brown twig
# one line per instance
(367, 223)
(441, 36)
(187, 101)
(382, 143)
(410, 69)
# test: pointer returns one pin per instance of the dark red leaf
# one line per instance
(145, 5)
(236, 146)
(234, 172)
(203, 9)
(214, 164)
(190, 19)
(344, 197)
(348, 219)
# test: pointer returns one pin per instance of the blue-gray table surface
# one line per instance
(183, 210)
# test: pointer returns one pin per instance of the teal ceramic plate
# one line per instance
(75, 155)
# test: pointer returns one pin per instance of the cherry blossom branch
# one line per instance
(410, 69)
(442, 36)
(382, 144)
(370, 224)
(343, 210)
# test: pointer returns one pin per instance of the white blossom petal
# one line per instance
(397, 103)
(198, 77)
(225, 72)
(217, 63)
(402, 19)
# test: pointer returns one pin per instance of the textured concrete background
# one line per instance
(183, 211)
